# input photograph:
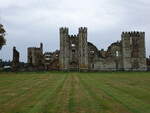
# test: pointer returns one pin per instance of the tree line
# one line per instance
(2, 36)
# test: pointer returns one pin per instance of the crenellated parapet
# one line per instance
(64, 28)
(133, 34)
(133, 50)
(83, 29)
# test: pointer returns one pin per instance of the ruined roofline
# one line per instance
(118, 42)
(133, 33)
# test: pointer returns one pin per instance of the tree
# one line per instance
(2, 36)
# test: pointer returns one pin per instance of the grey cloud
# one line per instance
(30, 22)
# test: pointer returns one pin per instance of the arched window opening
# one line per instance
(117, 53)
(73, 45)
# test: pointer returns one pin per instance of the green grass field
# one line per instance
(58, 92)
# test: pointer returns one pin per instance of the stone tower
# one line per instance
(64, 49)
(83, 49)
(73, 50)
(133, 51)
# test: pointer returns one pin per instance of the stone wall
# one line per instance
(35, 56)
(133, 51)
(127, 54)
(77, 54)
(73, 50)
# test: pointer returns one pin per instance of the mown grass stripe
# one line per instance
(45, 96)
(133, 104)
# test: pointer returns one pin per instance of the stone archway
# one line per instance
(74, 66)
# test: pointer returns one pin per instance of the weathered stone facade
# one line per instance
(133, 51)
(73, 50)
(51, 60)
(35, 56)
(77, 54)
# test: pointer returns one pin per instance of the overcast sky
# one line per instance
(29, 22)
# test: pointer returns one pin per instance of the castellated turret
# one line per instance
(133, 50)
(83, 51)
(73, 50)
(133, 34)
(83, 29)
(63, 57)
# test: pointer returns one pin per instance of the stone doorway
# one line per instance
(74, 66)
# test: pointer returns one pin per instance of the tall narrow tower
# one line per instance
(41, 47)
(83, 49)
(64, 49)
(133, 50)
(15, 61)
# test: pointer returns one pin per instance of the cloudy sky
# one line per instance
(29, 22)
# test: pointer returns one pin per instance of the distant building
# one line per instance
(77, 54)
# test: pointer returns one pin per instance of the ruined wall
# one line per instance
(93, 55)
(107, 64)
(115, 53)
(51, 60)
(110, 60)
(35, 55)
(127, 54)
(15, 61)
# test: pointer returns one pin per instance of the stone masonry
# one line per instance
(77, 54)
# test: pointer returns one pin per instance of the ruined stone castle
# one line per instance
(77, 54)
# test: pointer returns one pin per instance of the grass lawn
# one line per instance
(59, 92)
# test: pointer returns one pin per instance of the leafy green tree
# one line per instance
(2, 36)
